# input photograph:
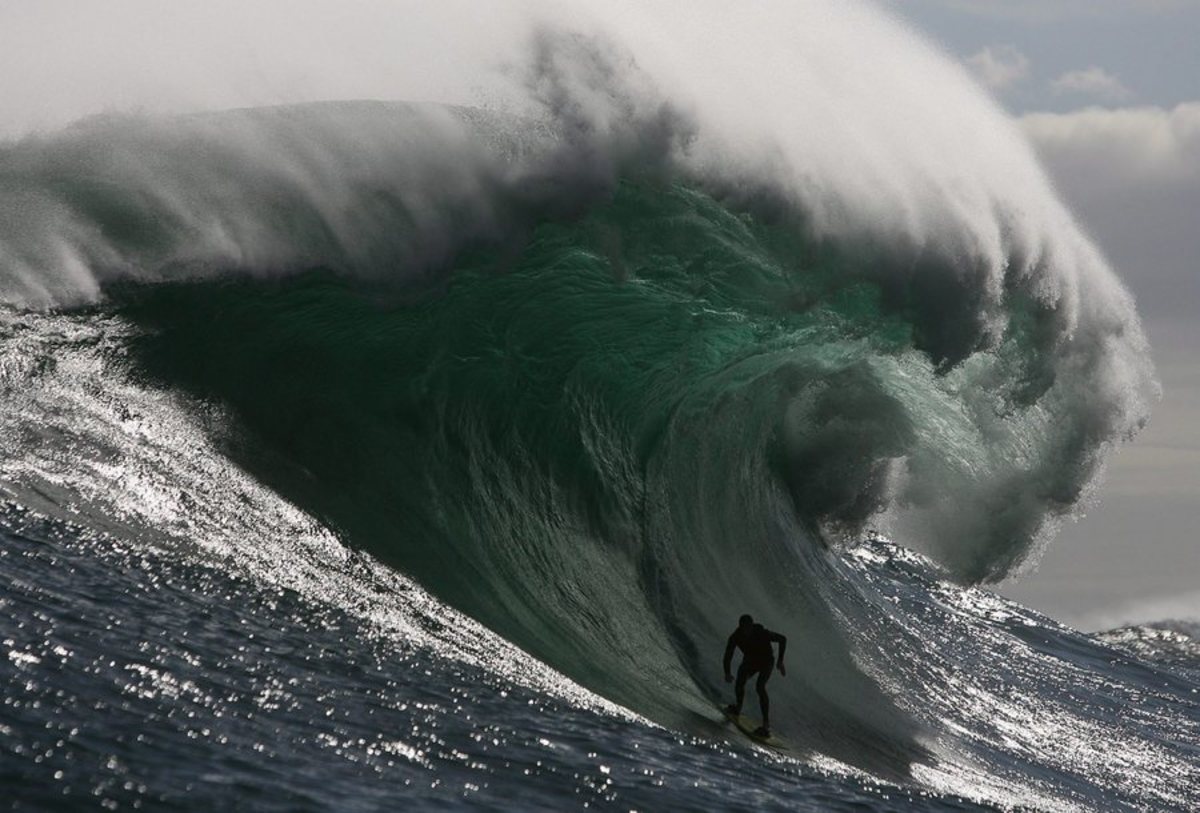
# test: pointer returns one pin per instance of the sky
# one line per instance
(1108, 91)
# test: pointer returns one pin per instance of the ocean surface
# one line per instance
(371, 456)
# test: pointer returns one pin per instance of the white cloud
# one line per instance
(1132, 175)
(1093, 81)
(999, 66)
(1139, 145)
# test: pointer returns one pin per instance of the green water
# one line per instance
(568, 440)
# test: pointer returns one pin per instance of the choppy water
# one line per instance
(134, 680)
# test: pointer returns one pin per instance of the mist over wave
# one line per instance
(689, 306)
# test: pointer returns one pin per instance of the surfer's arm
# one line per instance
(782, 641)
(729, 658)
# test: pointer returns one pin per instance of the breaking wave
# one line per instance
(629, 357)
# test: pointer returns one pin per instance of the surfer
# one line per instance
(757, 658)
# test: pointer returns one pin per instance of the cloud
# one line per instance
(1132, 175)
(999, 67)
(1133, 145)
(1093, 81)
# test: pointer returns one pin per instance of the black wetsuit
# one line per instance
(757, 658)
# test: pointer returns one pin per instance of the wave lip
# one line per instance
(262, 191)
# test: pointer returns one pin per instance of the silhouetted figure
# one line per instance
(757, 658)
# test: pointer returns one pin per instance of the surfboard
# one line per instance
(748, 726)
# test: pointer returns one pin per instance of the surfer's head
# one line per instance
(746, 621)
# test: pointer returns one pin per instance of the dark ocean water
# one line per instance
(138, 681)
(141, 680)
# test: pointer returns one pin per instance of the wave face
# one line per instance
(669, 383)
(610, 368)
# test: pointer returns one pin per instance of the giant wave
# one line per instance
(629, 357)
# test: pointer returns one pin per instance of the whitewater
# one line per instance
(423, 452)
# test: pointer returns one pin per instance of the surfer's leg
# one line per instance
(764, 702)
(739, 688)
